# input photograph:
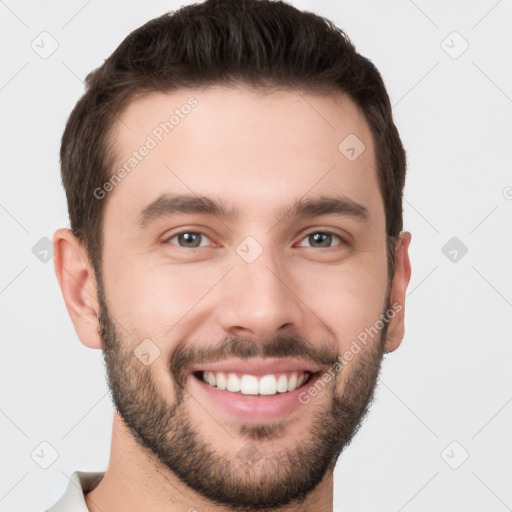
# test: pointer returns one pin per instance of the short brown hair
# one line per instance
(259, 43)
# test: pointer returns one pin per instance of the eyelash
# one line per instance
(323, 232)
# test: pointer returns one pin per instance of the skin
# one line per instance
(172, 449)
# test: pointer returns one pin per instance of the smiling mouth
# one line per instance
(262, 385)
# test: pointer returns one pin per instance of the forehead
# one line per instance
(252, 150)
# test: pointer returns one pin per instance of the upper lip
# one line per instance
(258, 367)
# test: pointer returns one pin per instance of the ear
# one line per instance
(78, 285)
(399, 284)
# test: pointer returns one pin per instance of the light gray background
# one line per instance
(450, 379)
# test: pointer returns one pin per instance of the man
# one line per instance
(234, 182)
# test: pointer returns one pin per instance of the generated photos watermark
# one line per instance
(156, 136)
(355, 347)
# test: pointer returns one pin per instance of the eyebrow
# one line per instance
(169, 204)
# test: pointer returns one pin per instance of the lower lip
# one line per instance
(254, 407)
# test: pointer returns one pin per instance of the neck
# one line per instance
(137, 482)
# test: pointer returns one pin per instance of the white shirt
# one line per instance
(73, 499)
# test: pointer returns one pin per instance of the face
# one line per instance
(231, 291)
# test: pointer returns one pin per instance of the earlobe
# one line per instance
(78, 285)
(396, 328)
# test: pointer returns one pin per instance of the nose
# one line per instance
(258, 299)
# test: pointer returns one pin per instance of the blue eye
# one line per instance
(189, 238)
(324, 238)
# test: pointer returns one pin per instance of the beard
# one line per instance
(252, 478)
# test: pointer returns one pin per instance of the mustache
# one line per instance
(283, 346)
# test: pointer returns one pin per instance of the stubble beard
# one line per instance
(253, 478)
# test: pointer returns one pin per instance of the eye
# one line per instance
(192, 239)
(189, 238)
(323, 238)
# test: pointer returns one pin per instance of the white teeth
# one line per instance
(233, 383)
(222, 383)
(249, 385)
(268, 385)
(292, 382)
(252, 385)
(282, 384)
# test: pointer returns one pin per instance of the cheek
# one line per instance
(348, 300)
(150, 300)
(154, 298)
